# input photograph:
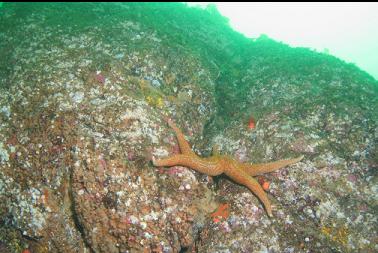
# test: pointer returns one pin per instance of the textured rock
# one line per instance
(82, 108)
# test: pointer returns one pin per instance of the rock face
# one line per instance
(82, 106)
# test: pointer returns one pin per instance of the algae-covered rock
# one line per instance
(83, 106)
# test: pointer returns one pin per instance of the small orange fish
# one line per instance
(251, 123)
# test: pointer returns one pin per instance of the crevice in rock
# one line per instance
(74, 215)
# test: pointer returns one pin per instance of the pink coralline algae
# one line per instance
(352, 178)
(131, 156)
(100, 78)
(172, 170)
(102, 162)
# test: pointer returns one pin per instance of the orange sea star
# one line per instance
(241, 173)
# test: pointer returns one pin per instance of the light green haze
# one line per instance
(348, 31)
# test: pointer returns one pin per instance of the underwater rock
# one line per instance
(80, 123)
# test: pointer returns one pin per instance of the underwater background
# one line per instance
(85, 92)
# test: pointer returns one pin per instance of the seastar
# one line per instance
(215, 165)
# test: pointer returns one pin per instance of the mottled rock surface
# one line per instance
(83, 104)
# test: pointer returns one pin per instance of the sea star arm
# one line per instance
(240, 176)
(202, 165)
(183, 143)
(261, 168)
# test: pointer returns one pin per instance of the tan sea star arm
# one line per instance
(240, 176)
(203, 165)
(183, 143)
(261, 168)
